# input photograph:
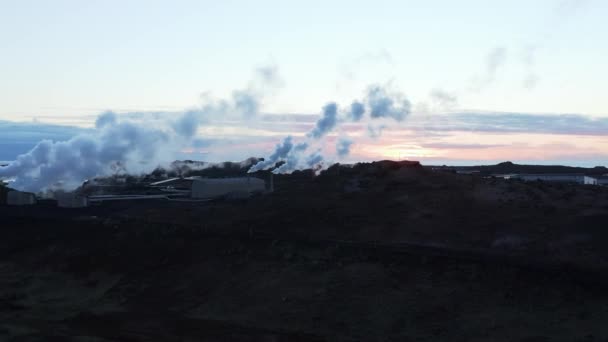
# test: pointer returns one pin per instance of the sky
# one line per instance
(488, 81)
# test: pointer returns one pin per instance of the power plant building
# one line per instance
(20, 198)
(71, 200)
(218, 187)
(558, 177)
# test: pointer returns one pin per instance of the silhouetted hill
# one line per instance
(3, 191)
(357, 252)
(509, 167)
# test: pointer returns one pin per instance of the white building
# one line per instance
(558, 177)
(20, 198)
(504, 175)
(71, 200)
(218, 187)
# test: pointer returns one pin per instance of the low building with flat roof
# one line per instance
(218, 187)
(71, 200)
(558, 177)
(20, 198)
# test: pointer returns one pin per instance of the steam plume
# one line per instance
(343, 147)
(382, 104)
(357, 109)
(327, 121)
(115, 145)
(122, 145)
(280, 153)
(375, 131)
(314, 160)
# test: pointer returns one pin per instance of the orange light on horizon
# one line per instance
(400, 152)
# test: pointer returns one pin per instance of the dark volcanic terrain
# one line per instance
(385, 251)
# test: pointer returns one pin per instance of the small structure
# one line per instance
(504, 175)
(105, 198)
(603, 180)
(233, 187)
(20, 198)
(467, 172)
(558, 177)
(71, 200)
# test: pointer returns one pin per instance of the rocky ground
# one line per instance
(384, 253)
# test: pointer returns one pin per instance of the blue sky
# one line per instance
(74, 57)
(63, 62)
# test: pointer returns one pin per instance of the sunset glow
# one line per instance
(532, 93)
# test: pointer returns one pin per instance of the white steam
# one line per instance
(121, 145)
(381, 104)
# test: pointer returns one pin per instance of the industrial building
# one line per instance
(174, 189)
(603, 180)
(71, 200)
(218, 187)
(174, 183)
(20, 198)
(558, 177)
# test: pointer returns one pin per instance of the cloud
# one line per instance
(531, 80)
(562, 12)
(458, 146)
(269, 74)
(380, 56)
(239, 139)
(266, 81)
(443, 99)
(17, 138)
(350, 68)
(494, 60)
(574, 124)
(529, 56)
(565, 8)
